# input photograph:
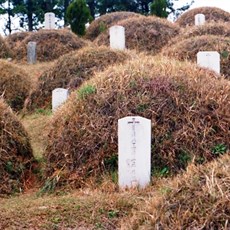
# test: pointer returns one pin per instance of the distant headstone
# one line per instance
(210, 60)
(59, 96)
(134, 152)
(49, 21)
(199, 19)
(31, 52)
(117, 37)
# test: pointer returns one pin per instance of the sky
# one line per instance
(223, 4)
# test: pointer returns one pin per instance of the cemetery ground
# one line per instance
(59, 167)
(100, 204)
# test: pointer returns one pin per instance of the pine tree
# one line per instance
(78, 14)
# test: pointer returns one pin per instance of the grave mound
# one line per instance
(188, 107)
(15, 84)
(51, 44)
(212, 28)
(187, 49)
(102, 23)
(14, 40)
(16, 158)
(147, 34)
(4, 49)
(212, 14)
(199, 199)
(71, 70)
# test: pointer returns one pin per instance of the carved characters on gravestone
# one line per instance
(210, 60)
(31, 52)
(199, 19)
(134, 152)
(59, 96)
(117, 37)
(49, 21)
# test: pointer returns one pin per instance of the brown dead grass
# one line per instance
(14, 84)
(213, 28)
(14, 40)
(105, 21)
(71, 71)
(212, 14)
(51, 44)
(188, 107)
(147, 34)
(198, 199)
(5, 51)
(16, 156)
(187, 49)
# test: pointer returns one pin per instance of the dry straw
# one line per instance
(51, 44)
(187, 49)
(189, 109)
(198, 199)
(102, 23)
(212, 28)
(16, 156)
(71, 71)
(14, 84)
(147, 34)
(212, 14)
(5, 51)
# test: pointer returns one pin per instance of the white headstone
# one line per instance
(134, 152)
(49, 21)
(59, 96)
(117, 37)
(31, 52)
(199, 19)
(210, 60)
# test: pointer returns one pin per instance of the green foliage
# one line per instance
(158, 8)
(219, 149)
(43, 111)
(184, 158)
(85, 91)
(102, 27)
(111, 163)
(161, 172)
(225, 54)
(48, 187)
(78, 14)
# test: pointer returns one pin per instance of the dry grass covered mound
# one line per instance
(187, 49)
(211, 14)
(51, 44)
(199, 199)
(71, 70)
(189, 109)
(15, 39)
(4, 49)
(102, 23)
(212, 28)
(147, 34)
(16, 156)
(14, 84)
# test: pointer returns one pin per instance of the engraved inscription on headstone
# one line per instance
(49, 21)
(134, 152)
(31, 52)
(59, 96)
(199, 19)
(210, 60)
(117, 37)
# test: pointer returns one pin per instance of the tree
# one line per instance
(78, 14)
(158, 8)
(6, 8)
(163, 8)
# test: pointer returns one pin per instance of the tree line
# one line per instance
(31, 12)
